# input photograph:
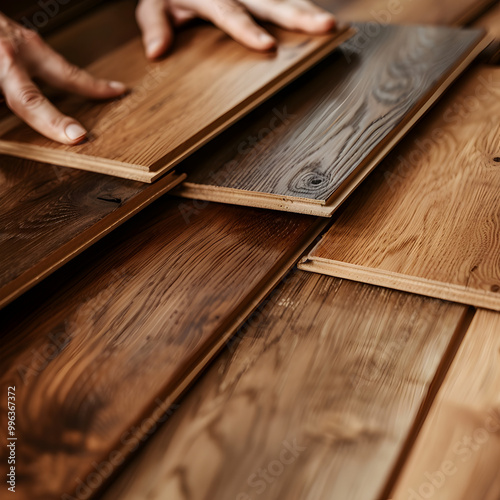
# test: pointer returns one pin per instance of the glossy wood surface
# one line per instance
(428, 220)
(308, 149)
(122, 330)
(340, 385)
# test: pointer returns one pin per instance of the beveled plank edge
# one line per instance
(74, 160)
(326, 208)
(401, 282)
(474, 12)
(197, 363)
(85, 239)
(147, 174)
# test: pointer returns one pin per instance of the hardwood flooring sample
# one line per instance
(310, 147)
(337, 384)
(207, 83)
(119, 333)
(428, 220)
(457, 453)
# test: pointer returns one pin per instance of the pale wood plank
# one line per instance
(338, 367)
(427, 221)
(309, 148)
(457, 453)
(176, 105)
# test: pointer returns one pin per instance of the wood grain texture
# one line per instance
(133, 319)
(49, 214)
(428, 220)
(443, 12)
(457, 453)
(345, 383)
(176, 105)
(310, 147)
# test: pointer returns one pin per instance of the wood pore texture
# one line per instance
(311, 146)
(344, 383)
(97, 347)
(428, 221)
(457, 453)
(207, 82)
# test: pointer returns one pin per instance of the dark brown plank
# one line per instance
(343, 383)
(138, 315)
(307, 149)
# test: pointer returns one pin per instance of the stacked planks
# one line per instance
(150, 305)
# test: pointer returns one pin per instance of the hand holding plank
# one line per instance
(23, 56)
(156, 19)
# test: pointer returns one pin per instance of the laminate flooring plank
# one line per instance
(49, 214)
(333, 371)
(310, 147)
(444, 12)
(176, 105)
(129, 322)
(457, 453)
(428, 220)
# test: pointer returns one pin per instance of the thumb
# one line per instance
(157, 34)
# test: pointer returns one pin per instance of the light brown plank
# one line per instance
(457, 453)
(133, 319)
(342, 381)
(428, 220)
(309, 148)
(490, 21)
(176, 105)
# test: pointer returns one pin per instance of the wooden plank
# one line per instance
(427, 221)
(48, 215)
(135, 318)
(457, 453)
(444, 12)
(343, 382)
(309, 148)
(176, 105)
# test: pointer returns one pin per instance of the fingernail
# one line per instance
(75, 131)
(325, 17)
(118, 86)
(153, 47)
(265, 38)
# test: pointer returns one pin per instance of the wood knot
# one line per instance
(310, 181)
(495, 288)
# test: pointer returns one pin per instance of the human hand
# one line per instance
(156, 19)
(23, 56)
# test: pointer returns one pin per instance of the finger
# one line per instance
(157, 34)
(43, 62)
(299, 15)
(234, 19)
(25, 99)
(59, 73)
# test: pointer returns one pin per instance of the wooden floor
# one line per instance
(184, 355)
